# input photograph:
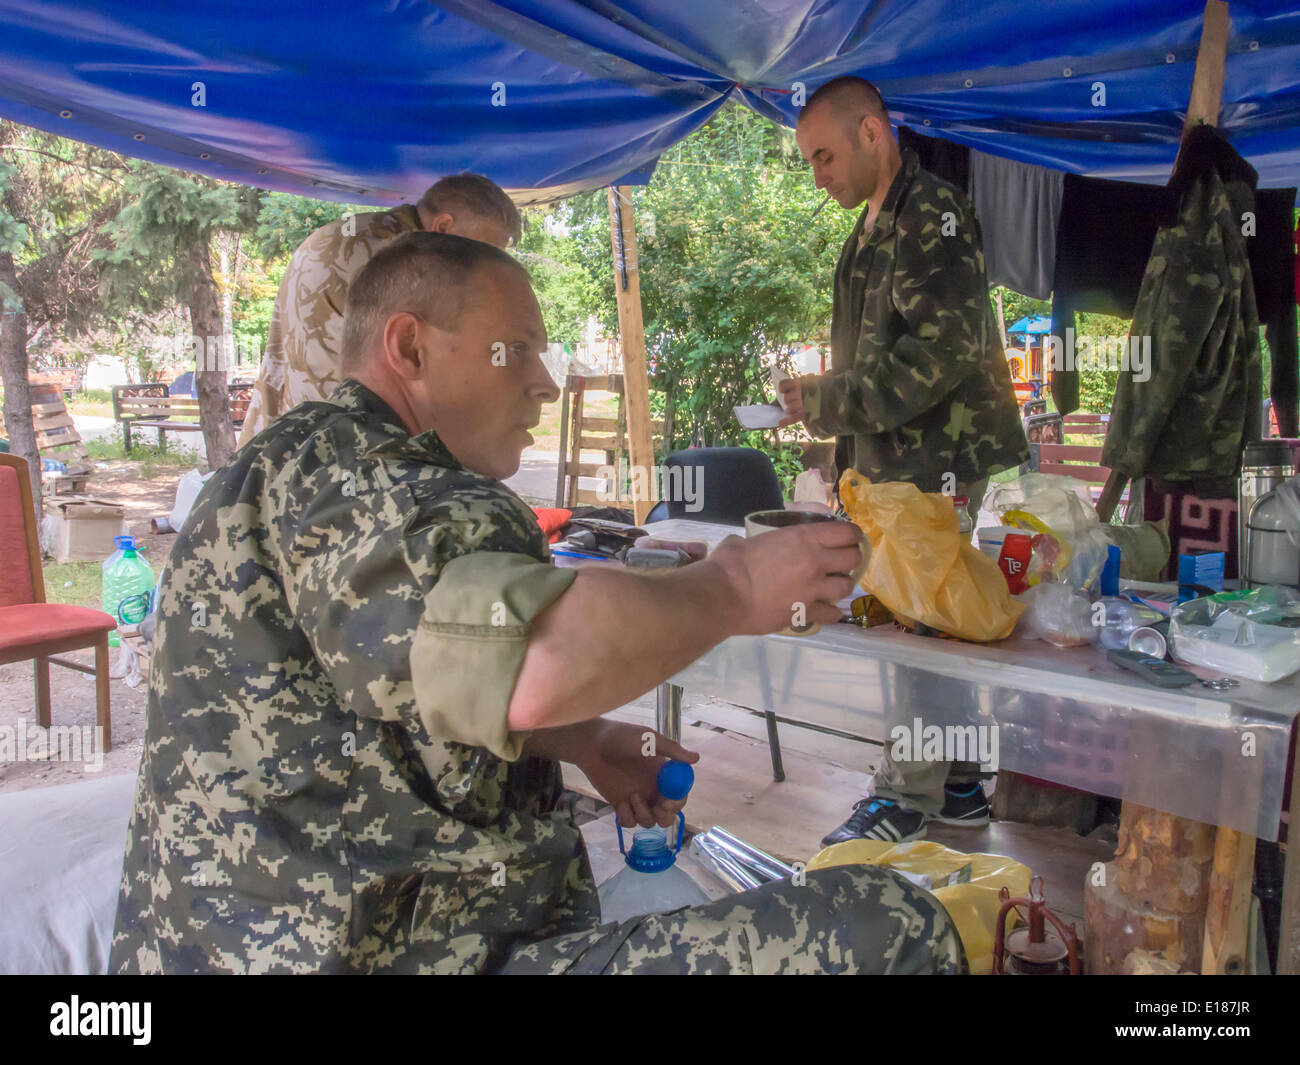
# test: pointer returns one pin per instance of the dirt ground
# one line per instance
(72, 694)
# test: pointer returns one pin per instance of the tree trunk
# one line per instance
(227, 296)
(13, 370)
(210, 371)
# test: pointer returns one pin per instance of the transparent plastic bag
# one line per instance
(1254, 634)
(1072, 546)
(922, 568)
(1059, 614)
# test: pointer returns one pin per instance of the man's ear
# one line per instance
(401, 341)
(441, 223)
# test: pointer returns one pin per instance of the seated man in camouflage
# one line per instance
(366, 671)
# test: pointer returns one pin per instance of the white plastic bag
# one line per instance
(1248, 634)
(186, 492)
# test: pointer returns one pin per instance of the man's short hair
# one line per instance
(475, 194)
(850, 99)
(430, 275)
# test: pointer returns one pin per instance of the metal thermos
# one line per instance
(1265, 465)
(1272, 543)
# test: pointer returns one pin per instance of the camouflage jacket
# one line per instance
(328, 781)
(305, 337)
(1189, 416)
(918, 376)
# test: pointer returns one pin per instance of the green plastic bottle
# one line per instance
(128, 585)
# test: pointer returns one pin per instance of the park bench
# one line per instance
(65, 382)
(148, 406)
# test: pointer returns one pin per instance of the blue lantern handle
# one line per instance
(681, 834)
(674, 781)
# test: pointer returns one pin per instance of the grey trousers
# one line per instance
(849, 919)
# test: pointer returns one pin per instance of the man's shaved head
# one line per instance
(844, 135)
(849, 99)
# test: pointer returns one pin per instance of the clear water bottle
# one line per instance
(1122, 618)
(651, 882)
(127, 585)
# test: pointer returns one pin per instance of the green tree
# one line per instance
(55, 196)
(161, 252)
(734, 267)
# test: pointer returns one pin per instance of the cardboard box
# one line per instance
(81, 529)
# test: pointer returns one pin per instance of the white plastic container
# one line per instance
(990, 540)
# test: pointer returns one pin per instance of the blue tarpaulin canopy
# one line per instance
(369, 101)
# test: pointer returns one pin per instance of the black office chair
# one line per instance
(730, 481)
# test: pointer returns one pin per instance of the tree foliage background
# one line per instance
(736, 262)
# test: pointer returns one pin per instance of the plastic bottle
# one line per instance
(965, 525)
(651, 882)
(1121, 619)
(128, 585)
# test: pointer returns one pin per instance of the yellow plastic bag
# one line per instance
(973, 905)
(922, 568)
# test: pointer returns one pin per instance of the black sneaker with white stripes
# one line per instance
(964, 804)
(881, 819)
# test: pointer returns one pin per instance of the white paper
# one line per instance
(759, 416)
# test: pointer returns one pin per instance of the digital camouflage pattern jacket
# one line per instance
(302, 361)
(328, 780)
(918, 378)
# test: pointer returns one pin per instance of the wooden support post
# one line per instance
(1227, 916)
(1211, 59)
(631, 329)
(1288, 948)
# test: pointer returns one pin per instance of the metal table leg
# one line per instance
(774, 747)
(668, 711)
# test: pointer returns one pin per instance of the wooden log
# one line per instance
(1154, 895)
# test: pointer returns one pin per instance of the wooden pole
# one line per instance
(631, 330)
(1211, 59)
(1288, 949)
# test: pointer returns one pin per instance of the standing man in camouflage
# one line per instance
(366, 671)
(301, 361)
(919, 388)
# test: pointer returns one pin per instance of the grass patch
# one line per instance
(150, 456)
(94, 401)
(74, 583)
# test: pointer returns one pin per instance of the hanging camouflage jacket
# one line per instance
(919, 381)
(1188, 416)
(328, 780)
(305, 337)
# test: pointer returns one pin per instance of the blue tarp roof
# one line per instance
(371, 100)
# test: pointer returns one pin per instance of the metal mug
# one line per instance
(762, 521)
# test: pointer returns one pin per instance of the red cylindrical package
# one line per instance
(1014, 560)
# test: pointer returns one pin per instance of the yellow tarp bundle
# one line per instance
(973, 905)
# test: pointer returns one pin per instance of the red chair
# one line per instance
(29, 626)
